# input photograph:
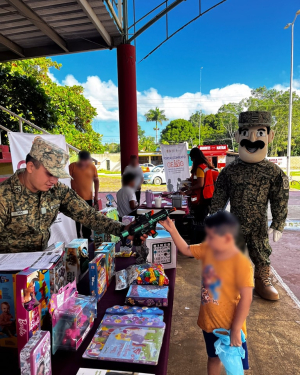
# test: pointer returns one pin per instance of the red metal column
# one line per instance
(127, 102)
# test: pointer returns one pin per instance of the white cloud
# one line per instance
(286, 86)
(104, 96)
(52, 77)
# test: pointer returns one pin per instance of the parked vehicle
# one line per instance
(156, 176)
(147, 167)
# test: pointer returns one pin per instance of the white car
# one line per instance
(156, 176)
(147, 167)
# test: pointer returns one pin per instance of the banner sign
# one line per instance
(63, 229)
(176, 164)
(280, 161)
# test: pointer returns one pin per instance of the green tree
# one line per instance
(74, 113)
(156, 115)
(112, 148)
(179, 131)
(147, 144)
(26, 97)
(141, 132)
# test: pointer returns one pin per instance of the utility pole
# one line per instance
(200, 108)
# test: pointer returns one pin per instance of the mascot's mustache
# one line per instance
(248, 144)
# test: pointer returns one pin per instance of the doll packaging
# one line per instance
(76, 259)
(108, 250)
(97, 274)
(35, 357)
(8, 336)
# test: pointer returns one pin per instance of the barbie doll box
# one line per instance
(108, 250)
(32, 300)
(35, 357)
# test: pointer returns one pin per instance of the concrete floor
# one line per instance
(273, 330)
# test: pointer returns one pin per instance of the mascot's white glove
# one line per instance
(276, 234)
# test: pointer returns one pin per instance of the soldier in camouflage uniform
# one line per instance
(249, 183)
(31, 199)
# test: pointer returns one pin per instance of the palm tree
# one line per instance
(156, 115)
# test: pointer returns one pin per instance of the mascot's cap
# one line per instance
(53, 158)
(255, 118)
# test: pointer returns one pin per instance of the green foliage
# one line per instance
(147, 144)
(141, 132)
(112, 148)
(26, 97)
(64, 109)
(179, 131)
(156, 115)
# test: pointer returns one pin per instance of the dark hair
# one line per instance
(84, 155)
(35, 162)
(133, 157)
(243, 127)
(199, 158)
(223, 222)
(127, 178)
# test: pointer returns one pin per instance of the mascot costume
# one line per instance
(249, 183)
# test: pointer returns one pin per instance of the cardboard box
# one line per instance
(32, 300)
(99, 238)
(108, 250)
(8, 329)
(97, 274)
(76, 259)
(35, 357)
(162, 250)
(147, 295)
(90, 371)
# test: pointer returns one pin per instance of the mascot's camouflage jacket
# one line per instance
(26, 217)
(249, 187)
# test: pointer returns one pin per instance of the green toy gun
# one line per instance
(145, 224)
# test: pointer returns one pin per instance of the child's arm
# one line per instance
(240, 316)
(180, 243)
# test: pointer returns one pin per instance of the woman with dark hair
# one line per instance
(199, 204)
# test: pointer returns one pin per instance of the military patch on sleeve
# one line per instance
(286, 184)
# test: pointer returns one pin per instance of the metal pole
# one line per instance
(20, 126)
(290, 108)
(125, 20)
(200, 108)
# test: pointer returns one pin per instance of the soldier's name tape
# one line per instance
(26, 212)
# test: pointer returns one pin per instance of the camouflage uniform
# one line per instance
(249, 187)
(26, 217)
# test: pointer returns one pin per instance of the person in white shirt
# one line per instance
(134, 168)
(126, 198)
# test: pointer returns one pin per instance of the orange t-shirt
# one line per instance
(83, 180)
(221, 282)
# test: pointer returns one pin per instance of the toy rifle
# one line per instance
(145, 224)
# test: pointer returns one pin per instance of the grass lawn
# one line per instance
(113, 183)
(295, 173)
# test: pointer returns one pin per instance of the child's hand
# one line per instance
(235, 338)
(168, 225)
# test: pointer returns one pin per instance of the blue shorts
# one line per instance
(210, 339)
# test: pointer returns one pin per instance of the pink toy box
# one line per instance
(32, 299)
(72, 317)
(35, 357)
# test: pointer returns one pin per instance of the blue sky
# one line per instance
(240, 45)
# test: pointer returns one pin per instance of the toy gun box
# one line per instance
(35, 357)
(97, 274)
(108, 250)
(99, 238)
(76, 259)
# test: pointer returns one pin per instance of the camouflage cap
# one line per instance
(255, 118)
(52, 157)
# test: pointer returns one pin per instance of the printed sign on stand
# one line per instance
(176, 164)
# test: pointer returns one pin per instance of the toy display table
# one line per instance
(64, 362)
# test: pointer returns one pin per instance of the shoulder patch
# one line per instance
(286, 184)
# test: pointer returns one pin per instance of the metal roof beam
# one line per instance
(88, 10)
(154, 19)
(11, 46)
(23, 9)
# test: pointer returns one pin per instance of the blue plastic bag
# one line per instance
(230, 356)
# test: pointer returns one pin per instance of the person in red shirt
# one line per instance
(85, 175)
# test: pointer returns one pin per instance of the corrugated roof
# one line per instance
(32, 28)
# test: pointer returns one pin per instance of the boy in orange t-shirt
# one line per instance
(227, 282)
